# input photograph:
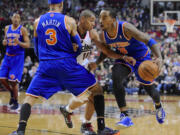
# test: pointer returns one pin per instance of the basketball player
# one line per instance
(15, 39)
(128, 40)
(87, 33)
(58, 68)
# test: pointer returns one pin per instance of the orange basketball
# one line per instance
(148, 70)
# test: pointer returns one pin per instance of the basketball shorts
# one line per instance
(12, 67)
(136, 66)
(55, 75)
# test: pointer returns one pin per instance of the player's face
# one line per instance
(105, 20)
(89, 23)
(16, 19)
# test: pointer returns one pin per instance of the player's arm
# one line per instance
(131, 31)
(5, 36)
(103, 47)
(36, 37)
(71, 26)
(26, 43)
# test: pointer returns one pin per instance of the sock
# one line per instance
(68, 109)
(86, 121)
(125, 113)
(99, 107)
(158, 105)
(24, 116)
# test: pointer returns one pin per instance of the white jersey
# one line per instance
(86, 50)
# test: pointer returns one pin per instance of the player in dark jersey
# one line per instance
(58, 68)
(15, 39)
(126, 39)
(86, 32)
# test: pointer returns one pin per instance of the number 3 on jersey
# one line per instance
(52, 37)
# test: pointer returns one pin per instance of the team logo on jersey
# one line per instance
(12, 76)
(51, 15)
(86, 48)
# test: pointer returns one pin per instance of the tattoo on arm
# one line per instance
(132, 32)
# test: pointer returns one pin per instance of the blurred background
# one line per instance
(148, 16)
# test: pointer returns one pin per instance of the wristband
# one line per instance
(151, 42)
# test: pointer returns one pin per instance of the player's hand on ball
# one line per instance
(4, 42)
(159, 62)
(75, 47)
(130, 60)
(92, 66)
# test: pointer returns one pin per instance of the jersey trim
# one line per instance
(15, 29)
(124, 32)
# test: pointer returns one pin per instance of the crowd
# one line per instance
(131, 11)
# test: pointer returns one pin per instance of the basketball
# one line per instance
(148, 70)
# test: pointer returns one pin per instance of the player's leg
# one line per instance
(82, 84)
(44, 84)
(5, 83)
(119, 73)
(14, 76)
(25, 113)
(154, 94)
(15, 88)
(4, 72)
(86, 126)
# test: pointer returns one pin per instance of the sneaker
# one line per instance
(14, 106)
(87, 129)
(67, 116)
(160, 115)
(125, 121)
(11, 101)
(108, 131)
(17, 133)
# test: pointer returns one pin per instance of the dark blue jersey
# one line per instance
(13, 48)
(123, 45)
(54, 40)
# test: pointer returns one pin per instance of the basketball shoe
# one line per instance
(125, 121)
(87, 129)
(108, 131)
(67, 116)
(17, 133)
(160, 115)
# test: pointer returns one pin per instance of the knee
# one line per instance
(30, 100)
(96, 90)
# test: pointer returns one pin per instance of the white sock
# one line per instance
(68, 109)
(86, 121)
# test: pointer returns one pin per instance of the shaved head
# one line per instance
(87, 13)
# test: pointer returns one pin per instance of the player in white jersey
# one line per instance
(87, 34)
(86, 49)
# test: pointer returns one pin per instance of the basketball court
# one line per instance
(47, 120)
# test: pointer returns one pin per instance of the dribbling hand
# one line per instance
(159, 62)
(130, 60)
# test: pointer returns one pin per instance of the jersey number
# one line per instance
(123, 50)
(52, 34)
(86, 55)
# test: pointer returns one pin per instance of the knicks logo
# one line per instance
(51, 15)
(12, 76)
